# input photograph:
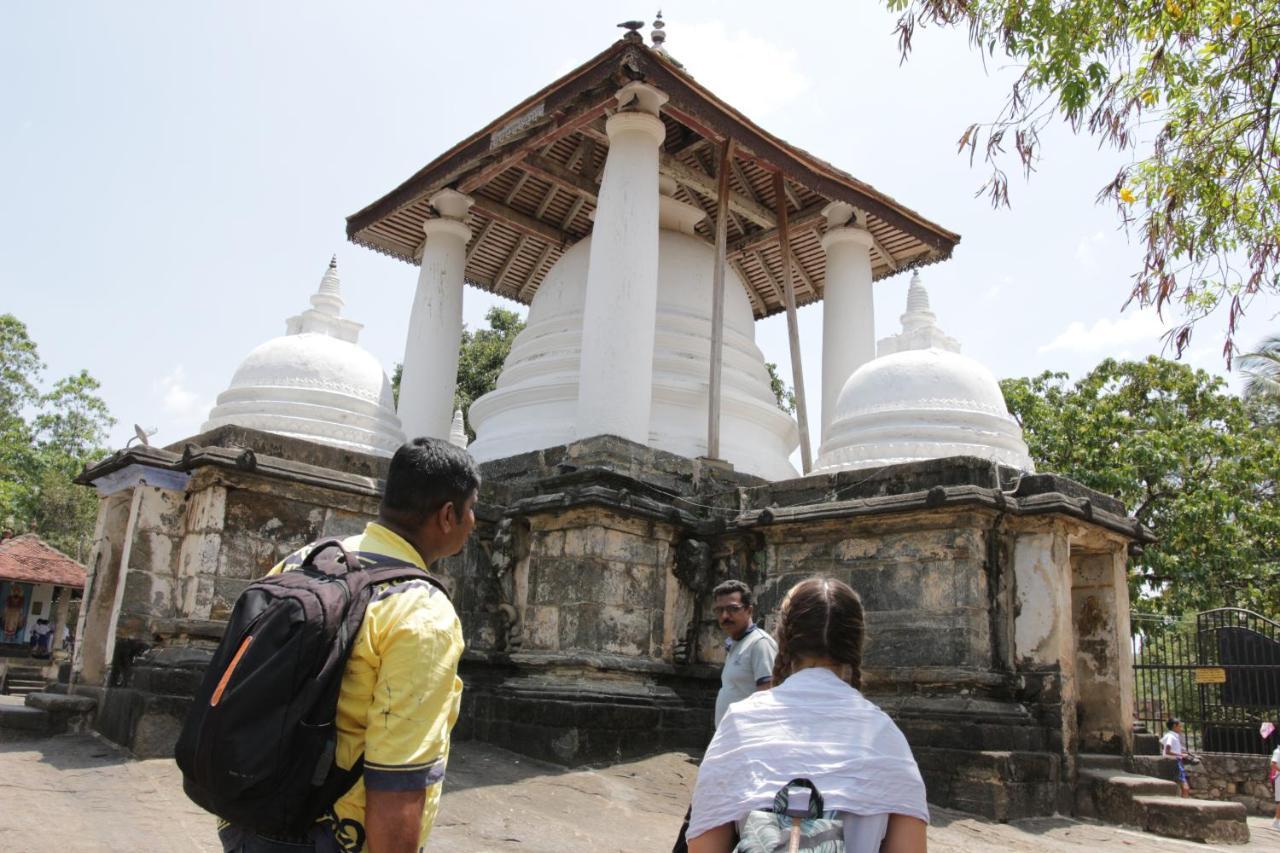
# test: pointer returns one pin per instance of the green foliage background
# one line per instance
(1194, 463)
(46, 439)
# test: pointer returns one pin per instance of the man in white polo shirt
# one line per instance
(748, 662)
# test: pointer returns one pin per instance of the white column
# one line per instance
(848, 311)
(435, 323)
(616, 373)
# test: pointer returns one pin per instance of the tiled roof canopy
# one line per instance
(534, 174)
(29, 559)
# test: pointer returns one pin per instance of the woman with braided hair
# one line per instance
(816, 725)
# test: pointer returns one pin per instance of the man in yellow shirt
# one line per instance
(400, 689)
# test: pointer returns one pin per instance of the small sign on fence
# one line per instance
(1211, 675)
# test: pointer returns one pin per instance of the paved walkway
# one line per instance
(79, 793)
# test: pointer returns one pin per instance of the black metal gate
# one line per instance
(1218, 673)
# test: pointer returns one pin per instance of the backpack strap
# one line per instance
(328, 556)
(381, 569)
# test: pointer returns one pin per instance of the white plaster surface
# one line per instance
(435, 322)
(921, 403)
(614, 394)
(848, 313)
(315, 382)
(535, 402)
(1044, 603)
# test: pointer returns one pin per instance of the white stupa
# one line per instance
(535, 403)
(315, 382)
(920, 399)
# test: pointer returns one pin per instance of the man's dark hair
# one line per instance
(729, 588)
(1171, 722)
(426, 474)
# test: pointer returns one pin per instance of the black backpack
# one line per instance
(257, 747)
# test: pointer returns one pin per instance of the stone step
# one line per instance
(1099, 761)
(1130, 784)
(67, 713)
(19, 722)
(1146, 744)
(1205, 821)
(18, 687)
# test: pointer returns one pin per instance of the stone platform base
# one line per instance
(572, 710)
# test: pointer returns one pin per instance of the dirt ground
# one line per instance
(79, 793)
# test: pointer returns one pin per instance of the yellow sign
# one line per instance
(1211, 675)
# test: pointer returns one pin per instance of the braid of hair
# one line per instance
(821, 618)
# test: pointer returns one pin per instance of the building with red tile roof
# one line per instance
(29, 559)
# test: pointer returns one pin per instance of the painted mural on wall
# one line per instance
(17, 604)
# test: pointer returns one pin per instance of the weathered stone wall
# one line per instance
(1100, 608)
(585, 597)
(1219, 776)
(922, 579)
(151, 578)
(1238, 778)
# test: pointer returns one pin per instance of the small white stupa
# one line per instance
(535, 404)
(920, 399)
(315, 382)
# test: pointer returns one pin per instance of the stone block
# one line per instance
(160, 509)
(549, 543)
(631, 585)
(856, 549)
(147, 595)
(272, 517)
(153, 551)
(247, 557)
(199, 554)
(960, 638)
(627, 547)
(566, 580)
(624, 631)
(542, 627)
(225, 593)
(60, 703)
(206, 510)
(340, 524)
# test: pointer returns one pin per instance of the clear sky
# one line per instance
(175, 176)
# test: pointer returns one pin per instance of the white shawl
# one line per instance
(814, 726)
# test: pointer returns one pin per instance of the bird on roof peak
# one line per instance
(632, 28)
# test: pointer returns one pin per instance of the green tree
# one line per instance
(480, 358)
(1189, 87)
(1187, 459)
(46, 439)
(1262, 371)
(781, 391)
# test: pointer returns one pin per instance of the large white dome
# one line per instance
(926, 403)
(315, 383)
(535, 402)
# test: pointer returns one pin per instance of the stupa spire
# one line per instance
(918, 315)
(328, 299)
(920, 328)
(458, 432)
(324, 317)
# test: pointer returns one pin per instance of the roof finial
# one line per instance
(633, 31)
(333, 262)
(658, 36)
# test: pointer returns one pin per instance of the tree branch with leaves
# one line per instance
(1189, 88)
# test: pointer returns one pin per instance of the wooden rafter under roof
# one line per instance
(534, 174)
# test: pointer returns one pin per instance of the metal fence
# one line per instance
(1218, 672)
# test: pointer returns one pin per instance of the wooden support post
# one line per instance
(723, 171)
(793, 327)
